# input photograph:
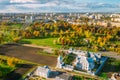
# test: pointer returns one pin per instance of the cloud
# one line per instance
(10, 8)
(33, 6)
(59, 6)
(102, 5)
(23, 1)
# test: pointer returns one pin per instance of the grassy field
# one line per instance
(41, 42)
(14, 73)
(111, 66)
(5, 69)
(15, 25)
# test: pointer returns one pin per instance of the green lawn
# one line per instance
(111, 66)
(5, 69)
(69, 58)
(16, 25)
(41, 42)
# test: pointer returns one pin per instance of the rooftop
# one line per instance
(64, 76)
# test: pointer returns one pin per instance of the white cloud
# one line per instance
(56, 6)
(23, 1)
(33, 6)
(10, 8)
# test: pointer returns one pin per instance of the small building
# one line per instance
(63, 76)
(42, 71)
(80, 53)
(29, 19)
(115, 19)
(62, 65)
(115, 76)
(115, 15)
(68, 67)
(85, 60)
(84, 63)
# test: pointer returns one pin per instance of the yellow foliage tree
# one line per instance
(88, 34)
(108, 36)
(16, 39)
(99, 40)
(12, 61)
(36, 33)
(102, 44)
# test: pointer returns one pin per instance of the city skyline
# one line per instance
(18, 6)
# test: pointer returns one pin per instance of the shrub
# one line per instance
(56, 52)
(12, 62)
(68, 59)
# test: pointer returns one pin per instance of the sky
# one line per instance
(22, 6)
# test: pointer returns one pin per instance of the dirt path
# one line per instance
(47, 49)
(111, 54)
(35, 46)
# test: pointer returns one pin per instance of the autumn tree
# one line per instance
(12, 61)
(36, 33)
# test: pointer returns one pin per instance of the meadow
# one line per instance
(47, 42)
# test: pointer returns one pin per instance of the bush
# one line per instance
(104, 76)
(0, 73)
(78, 77)
(68, 59)
(12, 62)
(54, 41)
(56, 52)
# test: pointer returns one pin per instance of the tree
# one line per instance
(12, 61)
(16, 39)
(63, 41)
(36, 33)
(1, 74)
(99, 40)
(56, 52)
(1, 37)
(102, 44)
(108, 36)
(87, 34)
(54, 41)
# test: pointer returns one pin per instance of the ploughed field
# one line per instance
(27, 53)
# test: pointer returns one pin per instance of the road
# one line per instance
(111, 54)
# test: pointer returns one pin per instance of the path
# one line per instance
(47, 49)
(111, 54)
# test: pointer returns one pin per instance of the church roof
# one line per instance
(90, 60)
